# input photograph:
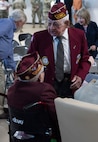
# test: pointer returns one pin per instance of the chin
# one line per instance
(54, 34)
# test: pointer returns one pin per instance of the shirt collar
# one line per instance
(65, 34)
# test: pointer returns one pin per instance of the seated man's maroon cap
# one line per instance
(29, 66)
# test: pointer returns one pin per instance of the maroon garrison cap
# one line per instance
(29, 66)
(58, 11)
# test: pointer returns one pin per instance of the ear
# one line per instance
(67, 23)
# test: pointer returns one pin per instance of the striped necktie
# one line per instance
(59, 66)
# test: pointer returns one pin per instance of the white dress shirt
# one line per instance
(65, 41)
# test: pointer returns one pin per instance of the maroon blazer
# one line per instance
(24, 93)
(42, 42)
(21, 94)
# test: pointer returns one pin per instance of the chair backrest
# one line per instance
(78, 121)
(28, 41)
(32, 120)
(15, 43)
(23, 36)
(20, 50)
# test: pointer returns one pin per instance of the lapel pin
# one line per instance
(45, 61)
(74, 47)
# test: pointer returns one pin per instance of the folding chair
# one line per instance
(22, 37)
(15, 43)
(31, 124)
(28, 41)
(19, 52)
(9, 78)
(5, 108)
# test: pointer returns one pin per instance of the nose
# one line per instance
(52, 26)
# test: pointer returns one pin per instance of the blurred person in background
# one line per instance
(90, 28)
(46, 8)
(77, 4)
(37, 9)
(9, 25)
(4, 8)
(19, 4)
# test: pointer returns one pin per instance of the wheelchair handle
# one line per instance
(34, 104)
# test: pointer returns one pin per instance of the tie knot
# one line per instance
(59, 37)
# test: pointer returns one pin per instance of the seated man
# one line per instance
(30, 88)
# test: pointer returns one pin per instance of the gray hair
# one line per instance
(18, 15)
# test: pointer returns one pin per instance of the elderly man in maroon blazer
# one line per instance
(76, 57)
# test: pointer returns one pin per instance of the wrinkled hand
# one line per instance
(93, 47)
(91, 60)
(76, 83)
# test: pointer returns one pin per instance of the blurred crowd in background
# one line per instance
(37, 10)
